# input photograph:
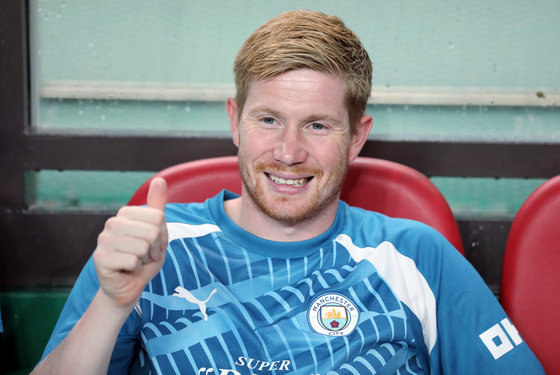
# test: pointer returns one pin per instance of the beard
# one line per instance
(287, 209)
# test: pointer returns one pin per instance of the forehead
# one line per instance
(299, 89)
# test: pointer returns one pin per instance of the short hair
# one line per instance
(306, 40)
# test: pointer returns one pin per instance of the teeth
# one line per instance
(284, 181)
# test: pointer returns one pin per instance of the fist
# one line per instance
(131, 248)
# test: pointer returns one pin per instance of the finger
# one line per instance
(117, 262)
(124, 227)
(147, 215)
(157, 194)
(158, 247)
(164, 237)
(128, 245)
(142, 239)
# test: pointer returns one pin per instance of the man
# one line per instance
(285, 279)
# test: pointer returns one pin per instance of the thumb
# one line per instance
(157, 194)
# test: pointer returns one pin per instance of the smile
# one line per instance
(288, 181)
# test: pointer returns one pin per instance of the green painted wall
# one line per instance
(479, 43)
(426, 46)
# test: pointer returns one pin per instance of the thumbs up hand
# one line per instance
(131, 248)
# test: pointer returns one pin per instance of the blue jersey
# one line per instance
(371, 295)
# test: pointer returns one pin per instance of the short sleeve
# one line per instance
(83, 292)
(474, 333)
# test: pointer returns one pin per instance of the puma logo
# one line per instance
(183, 293)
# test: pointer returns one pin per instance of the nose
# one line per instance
(290, 149)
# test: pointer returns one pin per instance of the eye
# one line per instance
(317, 126)
(268, 120)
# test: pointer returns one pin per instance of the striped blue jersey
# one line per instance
(372, 295)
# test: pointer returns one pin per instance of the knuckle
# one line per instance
(152, 234)
(132, 263)
(111, 223)
(96, 257)
(159, 217)
(99, 257)
(143, 248)
(103, 237)
(122, 211)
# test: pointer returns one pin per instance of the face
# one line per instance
(295, 144)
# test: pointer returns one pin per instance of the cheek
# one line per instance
(252, 139)
(334, 152)
(258, 145)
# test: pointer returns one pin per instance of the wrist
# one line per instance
(111, 306)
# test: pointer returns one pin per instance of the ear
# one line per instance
(233, 114)
(363, 127)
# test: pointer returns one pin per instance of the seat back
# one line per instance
(531, 273)
(373, 184)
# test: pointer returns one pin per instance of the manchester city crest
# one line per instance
(333, 314)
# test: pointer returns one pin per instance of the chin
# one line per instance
(291, 211)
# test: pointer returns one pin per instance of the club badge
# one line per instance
(333, 314)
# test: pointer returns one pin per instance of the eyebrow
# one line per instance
(312, 117)
(264, 109)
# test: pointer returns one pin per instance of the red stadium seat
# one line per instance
(531, 273)
(374, 184)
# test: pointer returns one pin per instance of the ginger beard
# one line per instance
(292, 209)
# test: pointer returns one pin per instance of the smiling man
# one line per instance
(295, 143)
(286, 278)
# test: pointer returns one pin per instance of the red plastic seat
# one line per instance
(531, 273)
(374, 184)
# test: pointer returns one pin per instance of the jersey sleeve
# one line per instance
(80, 298)
(475, 336)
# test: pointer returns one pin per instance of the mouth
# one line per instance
(297, 182)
